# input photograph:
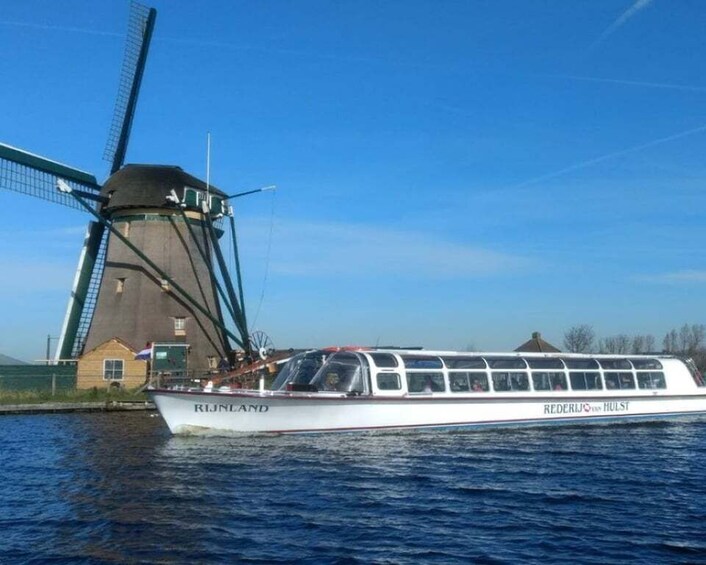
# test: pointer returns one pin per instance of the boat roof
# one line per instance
(534, 354)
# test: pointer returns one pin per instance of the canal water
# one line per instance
(117, 488)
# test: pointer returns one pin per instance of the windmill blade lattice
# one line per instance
(139, 35)
(31, 174)
(77, 339)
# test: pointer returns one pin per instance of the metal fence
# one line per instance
(53, 378)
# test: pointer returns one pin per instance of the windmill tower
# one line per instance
(151, 268)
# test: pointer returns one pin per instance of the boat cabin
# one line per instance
(414, 372)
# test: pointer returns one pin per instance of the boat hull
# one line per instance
(192, 412)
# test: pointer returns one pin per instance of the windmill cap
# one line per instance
(147, 186)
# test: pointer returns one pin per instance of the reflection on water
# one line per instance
(118, 487)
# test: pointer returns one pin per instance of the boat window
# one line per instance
(646, 364)
(429, 381)
(652, 379)
(553, 380)
(616, 364)
(510, 382)
(585, 380)
(580, 363)
(464, 362)
(300, 369)
(421, 362)
(469, 381)
(695, 373)
(620, 380)
(342, 372)
(389, 381)
(384, 359)
(506, 362)
(545, 363)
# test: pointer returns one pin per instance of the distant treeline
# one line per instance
(689, 341)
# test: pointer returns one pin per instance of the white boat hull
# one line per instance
(253, 412)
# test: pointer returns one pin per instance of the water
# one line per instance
(116, 488)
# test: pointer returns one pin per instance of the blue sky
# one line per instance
(449, 173)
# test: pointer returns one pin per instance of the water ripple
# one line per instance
(114, 488)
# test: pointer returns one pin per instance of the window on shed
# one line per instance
(464, 362)
(384, 359)
(113, 369)
(421, 362)
(510, 382)
(429, 381)
(585, 380)
(389, 381)
(651, 380)
(622, 380)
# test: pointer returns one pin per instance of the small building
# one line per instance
(537, 345)
(112, 363)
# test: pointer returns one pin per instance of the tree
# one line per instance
(649, 343)
(618, 344)
(671, 342)
(579, 339)
(691, 338)
(638, 344)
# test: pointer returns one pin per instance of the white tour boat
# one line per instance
(395, 389)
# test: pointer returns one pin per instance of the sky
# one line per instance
(449, 174)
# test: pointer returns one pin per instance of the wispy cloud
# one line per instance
(63, 29)
(636, 7)
(607, 156)
(319, 249)
(676, 277)
(663, 85)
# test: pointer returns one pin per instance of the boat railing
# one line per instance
(184, 380)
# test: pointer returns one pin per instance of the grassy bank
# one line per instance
(68, 396)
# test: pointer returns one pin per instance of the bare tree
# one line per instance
(691, 338)
(579, 339)
(638, 344)
(671, 342)
(642, 343)
(619, 344)
(649, 343)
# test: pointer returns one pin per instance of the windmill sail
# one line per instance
(139, 35)
(145, 272)
(84, 294)
(31, 174)
(21, 171)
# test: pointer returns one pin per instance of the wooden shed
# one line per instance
(112, 363)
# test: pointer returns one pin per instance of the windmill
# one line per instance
(151, 268)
